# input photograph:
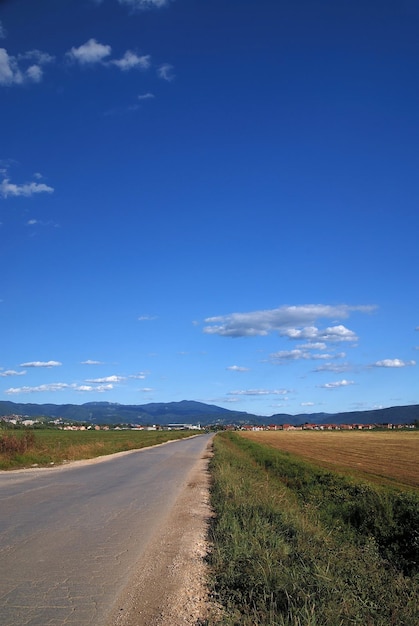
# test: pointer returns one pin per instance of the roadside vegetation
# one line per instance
(50, 446)
(297, 544)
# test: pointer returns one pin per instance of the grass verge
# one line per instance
(52, 446)
(293, 544)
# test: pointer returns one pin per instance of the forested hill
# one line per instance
(192, 412)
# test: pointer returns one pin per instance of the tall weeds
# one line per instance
(282, 556)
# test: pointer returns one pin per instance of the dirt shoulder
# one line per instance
(170, 586)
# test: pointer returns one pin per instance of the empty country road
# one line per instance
(72, 538)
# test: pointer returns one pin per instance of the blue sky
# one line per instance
(213, 201)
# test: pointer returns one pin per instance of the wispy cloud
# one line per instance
(146, 96)
(91, 362)
(12, 373)
(260, 323)
(106, 379)
(23, 68)
(259, 392)
(394, 363)
(298, 355)
(165, 72)
(237, 368)
(8, 189)
(143, 5)
(131, 60)
(54, 387)
(337, 384)
(146, 318)
(41, 364)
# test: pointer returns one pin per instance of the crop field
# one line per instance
(45, 447)
(390, 457)
(300, 538)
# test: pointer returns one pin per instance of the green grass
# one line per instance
(54, 446)
(299, 546)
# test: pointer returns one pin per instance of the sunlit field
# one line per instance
(380, 456)
(20, 449)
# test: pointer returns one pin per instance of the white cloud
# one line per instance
(259, 392)
(142, 5)
(307, 404)
(337, 368)
(297, 355)
(165, 72)
(26, 190)
(90, 52)
(146, 318)
(11, 72)
(12, 373)
(393, 363)
(91, 362)
(330, 334)
(139, 376)
(147, 389)
(130, 60)
(260, 323)
(146, 96)
(53, 387)
(337, 384)
(41, 364)
(106, 379)
(237, 368)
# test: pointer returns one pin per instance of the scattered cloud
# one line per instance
(237, 368)
(259, 392)
(146, 96)
(261, 323)
(143, 5)
(337, 384)
(91, 362)
(12, 373)
(146, 318)
(26, 190)
(41, 364)
(23, 68)
(330, 334)
(307, 404)
(393, 363)
(139, 376)
(337, 368)
(297, 355)
(90, 52)
(53, 387)
(106, 379)
(147, 389)
(165, 72)
(130, 60)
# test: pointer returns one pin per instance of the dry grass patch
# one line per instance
(385, 457)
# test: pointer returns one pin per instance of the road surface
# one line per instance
(72, 538)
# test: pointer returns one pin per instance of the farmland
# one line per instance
(389, 457)
(45, 447)
(315, 529)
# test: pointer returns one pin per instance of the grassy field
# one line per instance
(390, 457)
(297, 544)
(45, 447)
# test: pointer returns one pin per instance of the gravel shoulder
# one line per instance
(170, 586)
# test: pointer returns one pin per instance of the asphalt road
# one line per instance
(71, 538)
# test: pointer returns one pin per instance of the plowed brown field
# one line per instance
(386, 457)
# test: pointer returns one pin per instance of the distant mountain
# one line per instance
(191, 412)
